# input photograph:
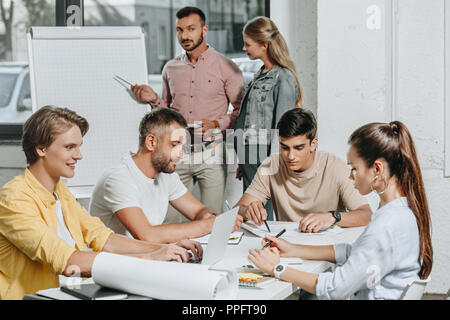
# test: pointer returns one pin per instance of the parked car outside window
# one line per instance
(15, 94)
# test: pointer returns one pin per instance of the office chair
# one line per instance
(414, 290)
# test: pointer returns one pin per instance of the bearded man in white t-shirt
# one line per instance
(133, 198)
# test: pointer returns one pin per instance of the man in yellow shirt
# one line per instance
(44, 231)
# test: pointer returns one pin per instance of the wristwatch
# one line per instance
(279, 269)
(337, 215)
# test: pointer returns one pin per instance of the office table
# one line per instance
(237, 256)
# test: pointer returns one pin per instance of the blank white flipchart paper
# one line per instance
(75, 68)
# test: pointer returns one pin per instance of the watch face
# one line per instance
(337, 215)
(279, 268)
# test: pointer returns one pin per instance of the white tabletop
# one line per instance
(237, 256)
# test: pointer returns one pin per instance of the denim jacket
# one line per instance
(266, 98)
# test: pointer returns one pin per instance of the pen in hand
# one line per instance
(277, 236)
(267, 226)
(228, 205)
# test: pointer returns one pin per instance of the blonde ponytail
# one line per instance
(263, 30)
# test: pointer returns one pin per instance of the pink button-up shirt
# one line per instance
(203, 90)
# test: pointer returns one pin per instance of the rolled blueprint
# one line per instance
(164, 280)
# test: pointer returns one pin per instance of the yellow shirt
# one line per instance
(31, 253)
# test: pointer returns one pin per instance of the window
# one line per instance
(7, 82)
(24, 101)
(15, 99)
(225, 19)
(162, 43)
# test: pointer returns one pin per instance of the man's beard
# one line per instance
(196, 45)
(161, 164)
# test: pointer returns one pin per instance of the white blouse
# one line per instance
(381, 262)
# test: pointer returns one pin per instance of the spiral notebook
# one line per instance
(250, 279)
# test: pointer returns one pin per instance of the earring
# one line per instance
(371, 186)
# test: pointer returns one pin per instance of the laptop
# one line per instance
(218, 240)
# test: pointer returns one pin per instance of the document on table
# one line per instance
(291, 230)
(235, 238)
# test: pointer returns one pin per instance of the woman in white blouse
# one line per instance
(395, 247)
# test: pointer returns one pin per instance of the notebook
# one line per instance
(55, 294)
(218, 240)
(92, 291)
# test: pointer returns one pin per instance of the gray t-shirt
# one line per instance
(126, 186)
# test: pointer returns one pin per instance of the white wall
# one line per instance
(421, 105)
(297, 22)
(351, 71)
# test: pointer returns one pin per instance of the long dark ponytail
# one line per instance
(393, 142)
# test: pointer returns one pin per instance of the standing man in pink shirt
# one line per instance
(200, 84)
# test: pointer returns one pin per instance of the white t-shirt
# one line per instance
(65, 235)
(126, 186)
(63, 232)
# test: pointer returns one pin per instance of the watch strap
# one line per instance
(336, 215)
(278, 270)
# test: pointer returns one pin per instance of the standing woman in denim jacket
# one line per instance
(274, 90)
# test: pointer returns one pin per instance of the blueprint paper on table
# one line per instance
(164, 280)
